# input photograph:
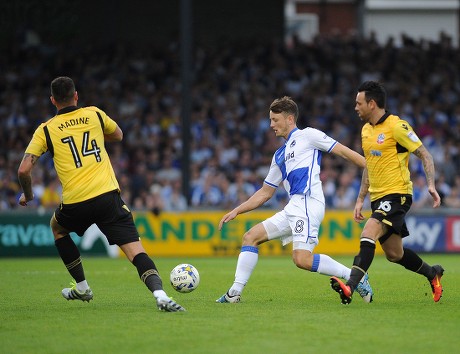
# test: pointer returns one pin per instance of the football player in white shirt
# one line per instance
(297, 165)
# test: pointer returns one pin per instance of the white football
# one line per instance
(184, 278)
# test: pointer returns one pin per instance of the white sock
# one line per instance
(159, 294)
(247, 261)
(323, 264)
(82, 286)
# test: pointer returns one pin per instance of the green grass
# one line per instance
(284, 310)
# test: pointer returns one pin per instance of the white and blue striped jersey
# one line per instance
(297, 163)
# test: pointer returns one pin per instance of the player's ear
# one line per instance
(53, 101)
(75, 96)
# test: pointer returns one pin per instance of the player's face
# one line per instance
(279, 122)
(362, 107)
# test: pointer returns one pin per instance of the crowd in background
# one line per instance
(231, 141)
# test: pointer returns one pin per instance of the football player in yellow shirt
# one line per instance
(387, 143)
(75, 138)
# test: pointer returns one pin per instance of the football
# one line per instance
(184, 278)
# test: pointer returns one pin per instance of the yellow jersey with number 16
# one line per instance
(387, 146)
(75, 139)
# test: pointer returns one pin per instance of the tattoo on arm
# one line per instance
(26, 184)
(33, 158)
(428, 164)
(25, 179)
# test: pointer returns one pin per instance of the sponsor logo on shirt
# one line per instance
(289, 156)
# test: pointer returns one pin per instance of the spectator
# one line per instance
(172, 196)
(229, 97)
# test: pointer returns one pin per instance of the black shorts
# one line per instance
(391, 210)
(108, 211)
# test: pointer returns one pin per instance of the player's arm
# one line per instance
(405, 136)
(25, 178)
(428, 166)
(349, 155)
(255, 201)
(363, 190)
(116, 136)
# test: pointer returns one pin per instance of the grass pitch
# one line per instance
(283, 310)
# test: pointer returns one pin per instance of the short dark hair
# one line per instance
(374, 91)
(285, 105)
(62, 89)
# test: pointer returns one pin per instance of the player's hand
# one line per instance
(227, 217)
(357, 213)
(435, 196)
(23, 200)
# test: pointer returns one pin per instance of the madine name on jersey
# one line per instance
(73, 122)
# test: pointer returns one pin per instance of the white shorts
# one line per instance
(299, 222)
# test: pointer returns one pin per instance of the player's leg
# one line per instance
(117, 224)
(70, 255)
(324, 264)
(149, 275)
(318, 263)
(373, 230)
(385, 211)
(358, 279)
(305, 215)
(396, 253)
(247, 261)
(145, 266)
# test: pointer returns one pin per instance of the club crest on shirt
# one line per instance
(381, 138)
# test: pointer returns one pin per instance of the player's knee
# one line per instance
(58, 231)
(393, 256)
(250, 238)
(254, 237)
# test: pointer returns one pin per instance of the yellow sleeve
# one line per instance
(37, 145)
(109, 124)
(405, 136)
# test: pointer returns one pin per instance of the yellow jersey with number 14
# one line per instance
(75, 138)
(387, 146)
